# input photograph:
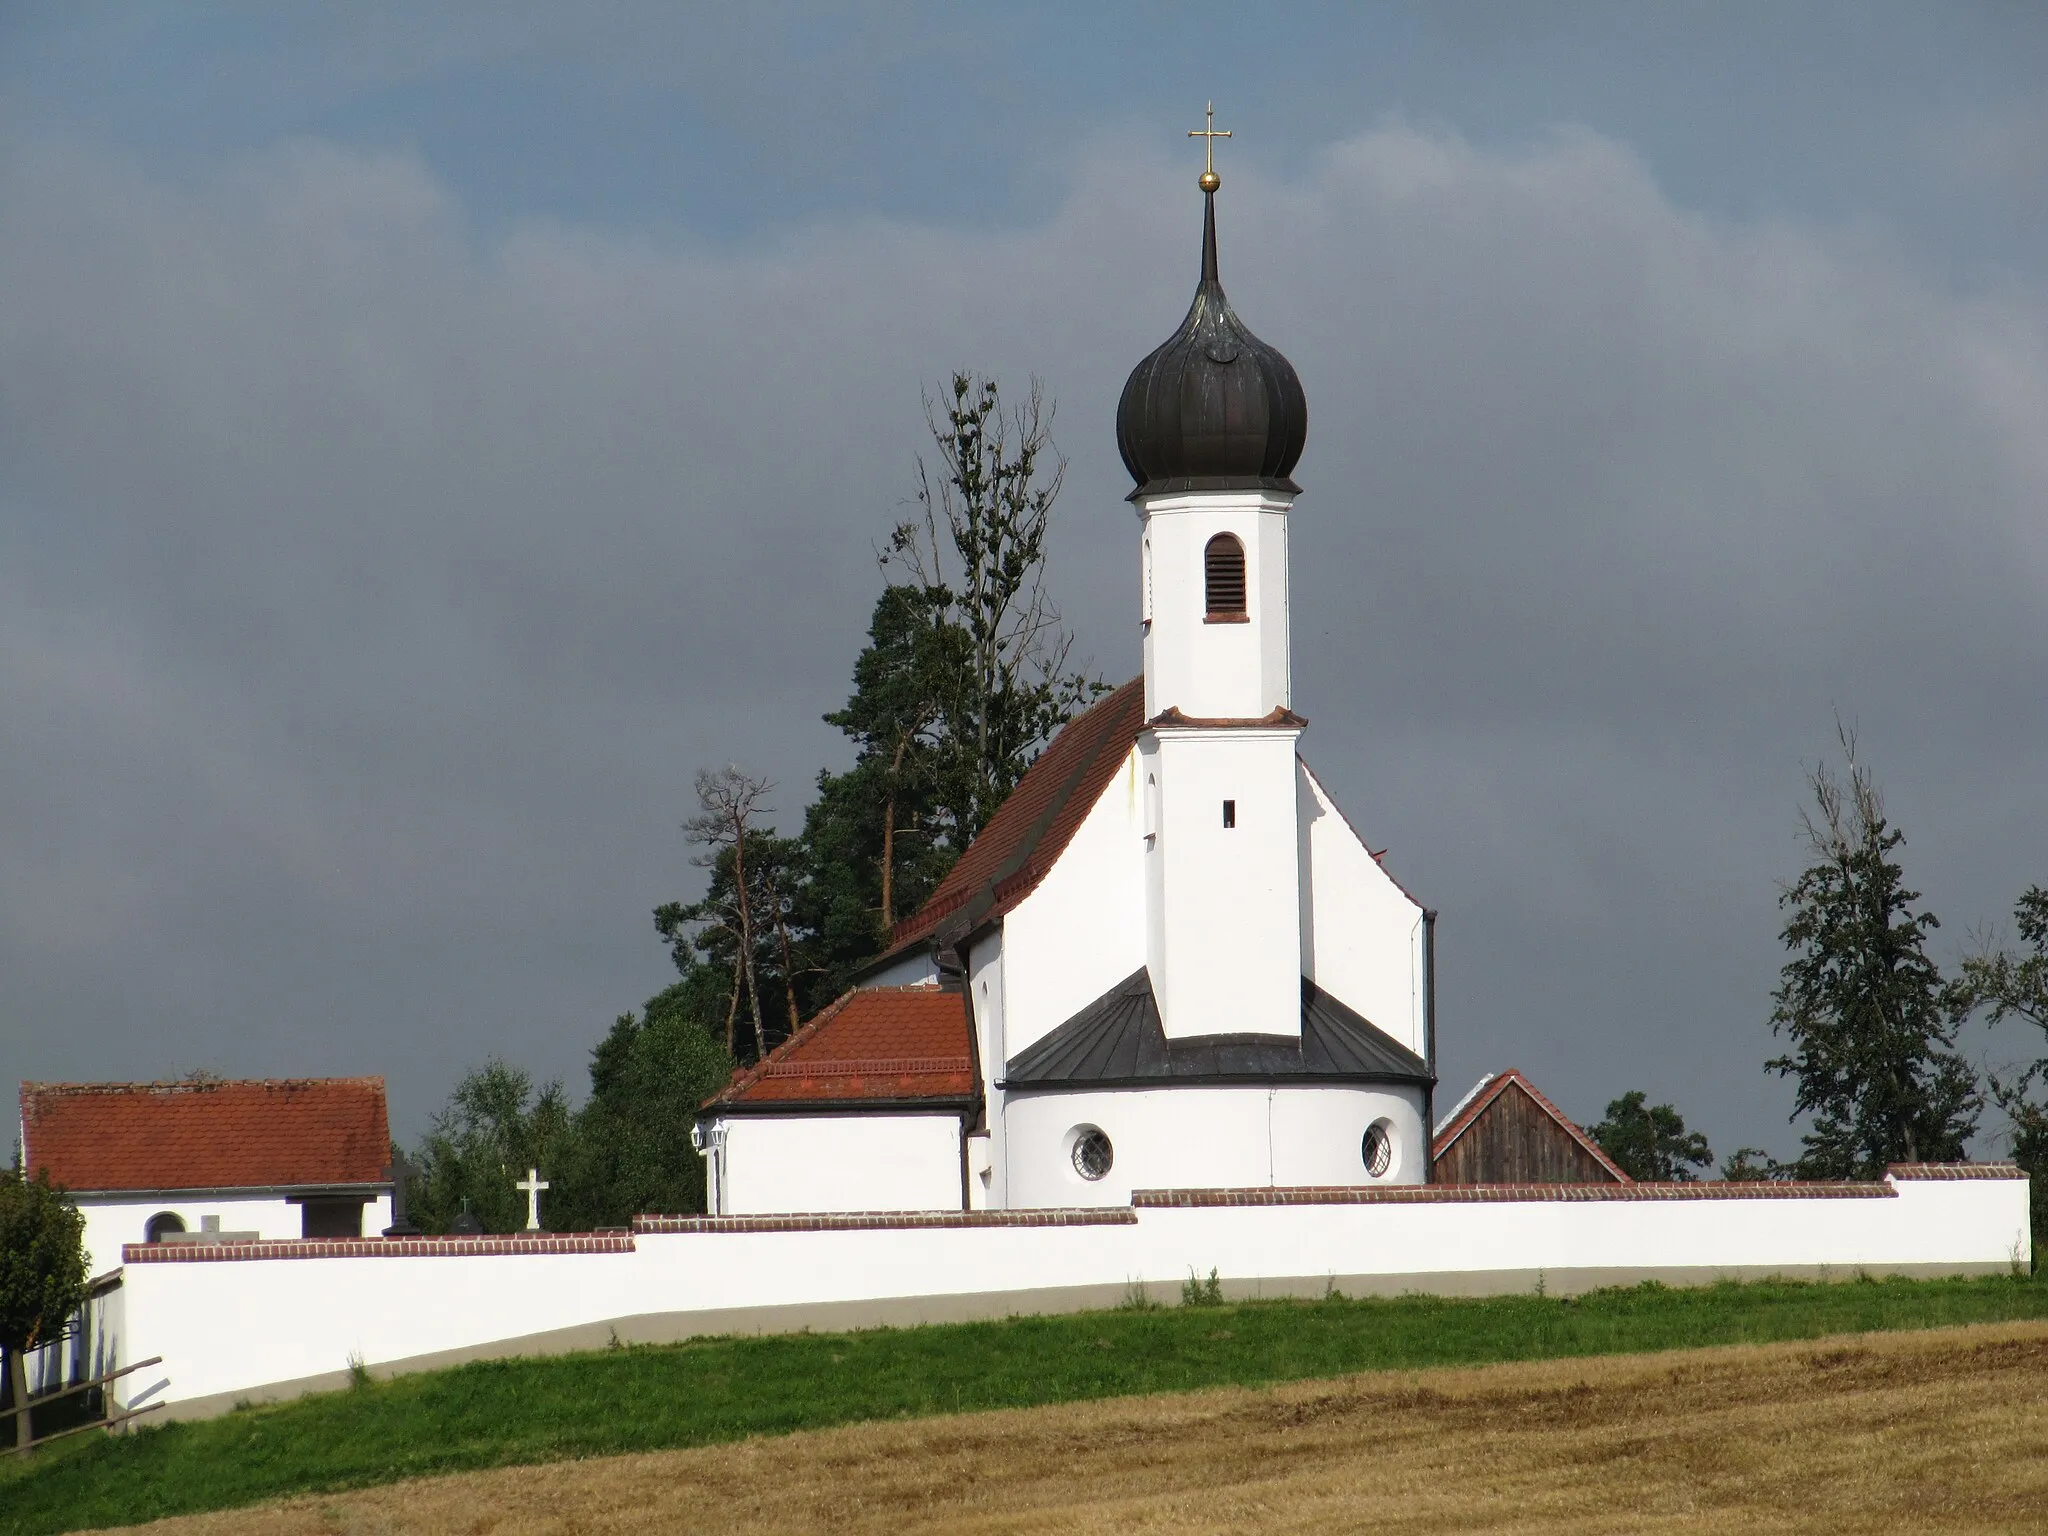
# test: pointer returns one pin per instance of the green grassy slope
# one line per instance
(653, 1397)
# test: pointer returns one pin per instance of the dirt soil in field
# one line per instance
(1938, 1431)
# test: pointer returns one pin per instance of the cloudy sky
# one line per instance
(427, 436)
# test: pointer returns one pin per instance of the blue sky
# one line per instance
(429, 434)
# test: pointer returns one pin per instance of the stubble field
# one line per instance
(1937, 1431)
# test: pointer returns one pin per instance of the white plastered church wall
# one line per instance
(916, 969)
(987, 997)
(1183, 1136)
(1083, 929)
(1362, 936)
(779, 1164)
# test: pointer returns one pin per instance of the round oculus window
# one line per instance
(1093, 1155)
(1377, 1149)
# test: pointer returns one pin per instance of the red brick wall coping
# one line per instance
(883, 1221)
(1954, 1171)
(1491, 1194)
(510, 1245)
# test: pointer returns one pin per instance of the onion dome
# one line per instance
(1215, 408)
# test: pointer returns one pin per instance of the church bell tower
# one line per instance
(1210, 427)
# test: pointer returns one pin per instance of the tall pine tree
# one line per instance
(1863, 1006)
(2013, 984)
(877, 838)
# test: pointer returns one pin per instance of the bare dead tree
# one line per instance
(728, 802)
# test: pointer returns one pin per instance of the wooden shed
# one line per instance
(1505, 1132)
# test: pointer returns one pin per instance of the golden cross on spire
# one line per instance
(1210, 181)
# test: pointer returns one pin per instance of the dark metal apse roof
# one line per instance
(1119, 1041)
(1215, 408)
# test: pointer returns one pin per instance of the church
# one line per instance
(1170, 962)
(1167, 1016)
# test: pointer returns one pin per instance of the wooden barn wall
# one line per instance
(1515, 1142)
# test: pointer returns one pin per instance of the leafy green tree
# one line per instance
(493, 1128)
(1650, 1142)
(631, 1152)
(42, 1276)
(1864, 1007)
(1751, 1165)
(2013, 984)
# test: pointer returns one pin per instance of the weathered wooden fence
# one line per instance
(67, 1375)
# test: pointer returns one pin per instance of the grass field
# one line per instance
(647, 1398)
(1936, 1432)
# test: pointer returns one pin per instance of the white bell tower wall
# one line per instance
(1214, 666)
(1222, 844)
(1223, 878)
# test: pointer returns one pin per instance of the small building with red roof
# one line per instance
(208, 1160)
(871, 1106)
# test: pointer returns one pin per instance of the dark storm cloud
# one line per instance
(370, 587)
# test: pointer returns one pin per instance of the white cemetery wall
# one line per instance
(234, 1326)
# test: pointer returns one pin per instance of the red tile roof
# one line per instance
(1033, 827)
(876, 1044)
(288, 1133)
(1492, 1088)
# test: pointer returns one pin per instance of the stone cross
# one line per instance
(533, 1184)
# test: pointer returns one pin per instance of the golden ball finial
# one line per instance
(1209, 181)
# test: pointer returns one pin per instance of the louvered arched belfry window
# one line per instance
(1223, 569)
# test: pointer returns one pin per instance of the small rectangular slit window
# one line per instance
(1230, 813)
